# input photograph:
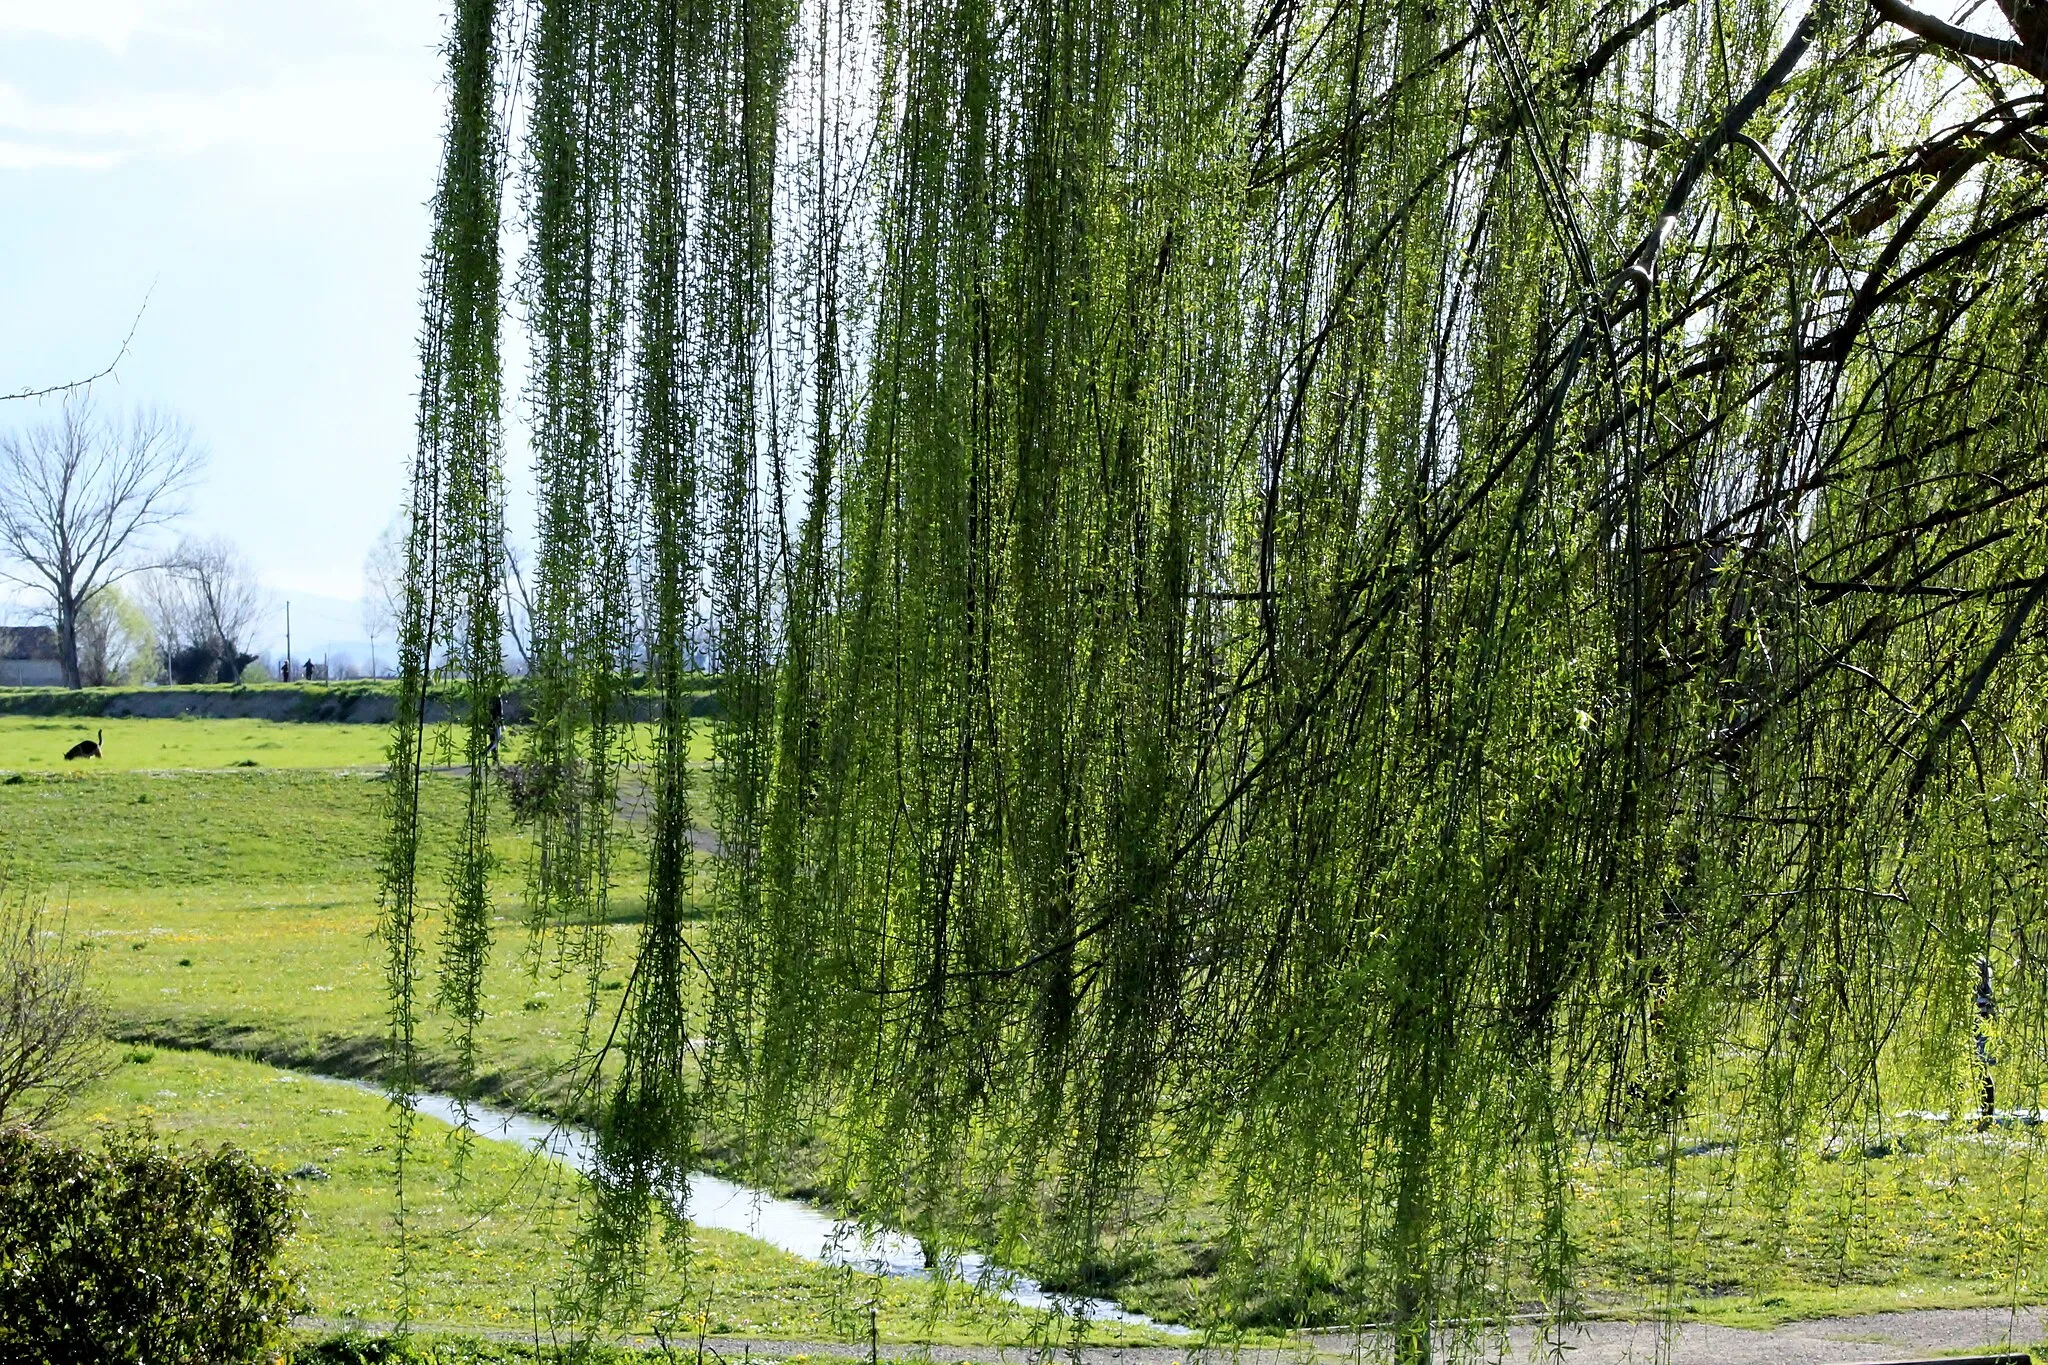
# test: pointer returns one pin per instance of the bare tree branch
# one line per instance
(74, 386)
(384, 580)
(1961, 41)
(1642, 267)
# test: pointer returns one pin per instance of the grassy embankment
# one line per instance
(358, 699)
(245, 898)
(233, 910)
(355, 701)
(491, 1229)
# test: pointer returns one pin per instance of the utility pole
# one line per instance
(287, 633)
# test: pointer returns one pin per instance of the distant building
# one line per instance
(28, 657)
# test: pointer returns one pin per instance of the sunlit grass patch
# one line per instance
(236, 911)
(38, 744)
(295, 975)
(491, 1229)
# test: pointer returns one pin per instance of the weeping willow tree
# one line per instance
(1329, 597)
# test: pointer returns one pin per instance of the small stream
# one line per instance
(788, 1224)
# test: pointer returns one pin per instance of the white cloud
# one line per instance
(323, 120)
(259, 168)
(112, 24)
(23, 156)
(304, 88)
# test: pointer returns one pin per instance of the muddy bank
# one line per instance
(364, 703)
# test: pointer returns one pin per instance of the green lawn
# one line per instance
(37, 744)
(294, 975)
(492, 1230)
(235, 911)
(1932, 1215)
(150, 834)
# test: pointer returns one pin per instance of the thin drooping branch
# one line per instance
(1642, 267)
(454, 565)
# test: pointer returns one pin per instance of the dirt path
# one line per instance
(1831, 1341)
(1828, 1341)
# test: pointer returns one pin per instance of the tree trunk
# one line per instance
(67, 640)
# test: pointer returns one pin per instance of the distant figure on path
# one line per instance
(284, 670)
(86, 748)
(497, 725)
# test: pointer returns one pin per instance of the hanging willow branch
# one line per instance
(1310, 600)
(453, 579)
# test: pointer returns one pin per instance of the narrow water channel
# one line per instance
(788, 1224)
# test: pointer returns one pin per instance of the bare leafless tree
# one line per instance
(203, 604)
(52, 1028)
(165, 606)
(384, 591)
(384, 584)
(518, 609)
(224, 589)
(79, 498)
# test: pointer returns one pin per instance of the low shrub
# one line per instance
(52, 1026)
(138, 1253)
(358, 1348)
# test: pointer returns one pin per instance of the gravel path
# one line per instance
(1874, 1337)
(1829, 1341)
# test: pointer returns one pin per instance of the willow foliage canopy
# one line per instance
(1327, 596)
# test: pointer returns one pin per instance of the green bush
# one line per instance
(138, 1253)
(356, 1348)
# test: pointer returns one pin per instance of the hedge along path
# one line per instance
(1328, 597)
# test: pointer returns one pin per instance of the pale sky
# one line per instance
(259, 171)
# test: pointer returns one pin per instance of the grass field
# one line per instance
(493, 1230)
(237, 911)
(148, 834)
(234, 910)
(37, 744)
(296, 977)
(1932, 1215)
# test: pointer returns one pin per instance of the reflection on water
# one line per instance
(789, 1224)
